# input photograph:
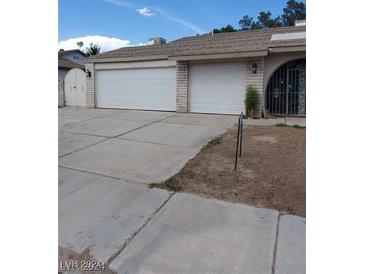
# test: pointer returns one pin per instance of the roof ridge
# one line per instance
(266, 30)
(240, 41)
(129, 47)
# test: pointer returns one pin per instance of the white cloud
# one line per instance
(106, 43)
(145, 12)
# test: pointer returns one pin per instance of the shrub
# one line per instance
(252, 101)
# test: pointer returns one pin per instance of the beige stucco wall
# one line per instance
(275, 60)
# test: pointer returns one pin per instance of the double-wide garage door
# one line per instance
(138, 88)
(217, 88)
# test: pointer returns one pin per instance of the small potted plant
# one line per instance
(252, 101)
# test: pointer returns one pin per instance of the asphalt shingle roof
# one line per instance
(231, 42)
(63, 63)
(65, 52)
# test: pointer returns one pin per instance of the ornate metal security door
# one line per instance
(285, 92)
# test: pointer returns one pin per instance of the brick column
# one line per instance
(256, 79)
(182, 86)
(90, 86)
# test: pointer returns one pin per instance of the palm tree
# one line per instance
(93, 49)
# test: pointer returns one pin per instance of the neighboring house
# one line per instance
(68, 59)
(204, 74)
(64, 66)
(74, 55)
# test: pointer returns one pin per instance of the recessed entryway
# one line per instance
(286, 90)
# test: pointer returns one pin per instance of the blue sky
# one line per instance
(116, 23)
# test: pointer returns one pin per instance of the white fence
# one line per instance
(61, 93)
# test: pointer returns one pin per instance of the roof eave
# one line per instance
(65, 52)
(126, 59)
(71, 67)
(219, 55)
(287, 48)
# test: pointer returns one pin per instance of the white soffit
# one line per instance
(288, 36)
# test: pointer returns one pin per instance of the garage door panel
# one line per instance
(150, 88)
(217, 88)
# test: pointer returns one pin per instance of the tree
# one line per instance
(80, 44)
(245, 23)
(228, 28)
(93, 49)
(265, 21)
(293, 11)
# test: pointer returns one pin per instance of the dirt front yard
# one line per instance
(70, 259)
(270, 173)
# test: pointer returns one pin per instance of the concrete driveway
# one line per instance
(107, 158)
(137, 146)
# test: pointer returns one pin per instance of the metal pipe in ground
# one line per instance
(239, 139)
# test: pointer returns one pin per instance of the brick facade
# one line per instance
(256, 80)
(90, 86)
(182, 86)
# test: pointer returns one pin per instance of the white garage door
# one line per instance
(140, 88)
(217, 88)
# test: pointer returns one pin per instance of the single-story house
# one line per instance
(64, 66)
(69, 59)
(74, 55)
(204, 74)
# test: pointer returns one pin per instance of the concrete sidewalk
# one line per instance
(191, 234)
(290, 121)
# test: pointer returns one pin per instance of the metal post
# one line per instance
(239, 138)
(287, 90)
(241, 134)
